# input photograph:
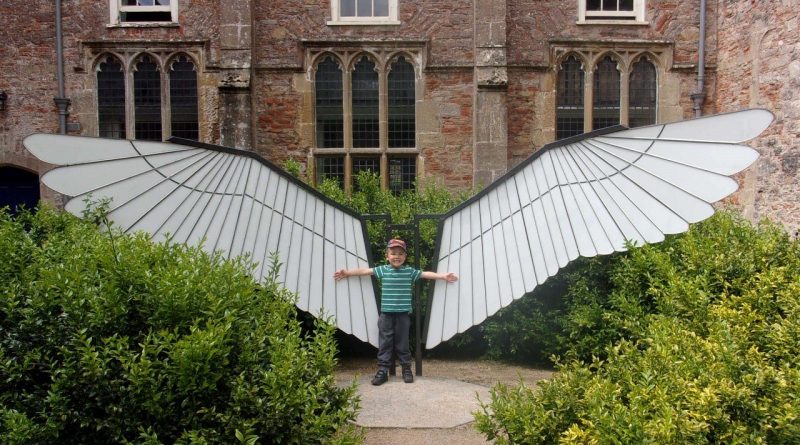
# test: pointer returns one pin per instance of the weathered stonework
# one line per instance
(486, 76)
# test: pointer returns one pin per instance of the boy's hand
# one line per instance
(451, 277)
(339, 274)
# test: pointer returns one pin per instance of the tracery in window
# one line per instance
(349, 106)
(622, 89)
(330, 119)
(183, 98)
(606, 92)
(111, 98)
(147, 100)
(569, 101)
(365, 104)
(642, 94)
(401, 104)
(162, 107)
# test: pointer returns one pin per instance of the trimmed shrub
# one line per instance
(697, 340)
(109, 338)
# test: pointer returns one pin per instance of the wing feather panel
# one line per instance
(584, 196)
(223, 200)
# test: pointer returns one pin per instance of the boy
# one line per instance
(397, 281)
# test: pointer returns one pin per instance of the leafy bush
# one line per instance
(109, 338)
(367, 198)
(696, 341)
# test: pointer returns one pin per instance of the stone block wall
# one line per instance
(759, 66)
(486, 95)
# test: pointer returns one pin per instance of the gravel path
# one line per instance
(481, 372)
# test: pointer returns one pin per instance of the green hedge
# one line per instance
(692, 341)
(109, 338)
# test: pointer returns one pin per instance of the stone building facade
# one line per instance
(455, 92)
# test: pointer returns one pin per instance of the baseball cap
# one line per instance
(396, 243)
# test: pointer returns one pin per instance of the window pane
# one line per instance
(145, 2)
(402, 173)
(401, 105)
(626, 5)
(381, 8)
(365, 164)
(569, 101)
(365, 105)
(609, 5)
(331, 167)
(111, 99)
(183, 99)
(605, 109)
(330, 121)
(147, 100)
(592, 5)
(165, 15)
(643, 86)
(364, 8)
(347, 8)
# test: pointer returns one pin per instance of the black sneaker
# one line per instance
(380, 378)
(408, 376)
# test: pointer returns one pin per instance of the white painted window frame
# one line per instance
(116, 8)
(337, 19)
(613, 17)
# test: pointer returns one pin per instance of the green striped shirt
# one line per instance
(396, 287)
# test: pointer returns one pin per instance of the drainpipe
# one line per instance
(61, 101)
(699, 95)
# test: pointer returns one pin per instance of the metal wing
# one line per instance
(583, 196)
(224, 200)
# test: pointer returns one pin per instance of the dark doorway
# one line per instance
(18, 188)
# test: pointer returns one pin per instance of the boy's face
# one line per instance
(396, 256)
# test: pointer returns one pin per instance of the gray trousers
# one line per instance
(393, 337)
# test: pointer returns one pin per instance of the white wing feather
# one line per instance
(227, 201)
(583, 196)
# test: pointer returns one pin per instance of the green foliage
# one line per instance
(369, 199)
(694, 340)
(109, 338)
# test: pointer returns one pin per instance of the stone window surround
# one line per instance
(347, 54)
(613, 17)
(128, 55)
(625, 54)
(115, 8)
(337, 19)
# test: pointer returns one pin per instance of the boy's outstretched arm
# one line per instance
(344, 273)
(450, 277)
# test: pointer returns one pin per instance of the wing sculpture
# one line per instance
(223, 200)
(583, 196)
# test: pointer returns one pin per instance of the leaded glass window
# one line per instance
(365, 104)
(606, 92)
(331, 167)
(401, 104)
(330, 120)
(642, 96)
(111, 99)
(569, 105)
(183, 98)
(147, 100)
(402, 173)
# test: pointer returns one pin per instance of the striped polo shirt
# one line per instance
(396, 287)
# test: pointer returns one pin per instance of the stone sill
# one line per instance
(144, 25)
(364, 23)
(612, 22)
(364, 151)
